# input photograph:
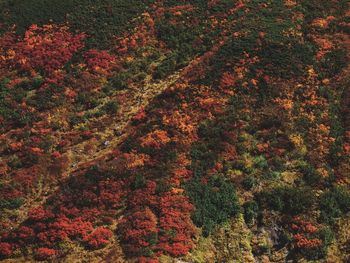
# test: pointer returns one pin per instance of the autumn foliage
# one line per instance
(47, 49)
(158, 139)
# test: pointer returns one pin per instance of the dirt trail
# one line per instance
(80, 159)
(108, 140)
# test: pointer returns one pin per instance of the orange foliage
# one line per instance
(155, 139)
(227, 80)
(135, 160)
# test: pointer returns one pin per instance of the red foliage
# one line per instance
(145, 196)
(5, 249)
(227, 81)
(303, 238)
(155, 139)
(111, 194)
(301, 241)
(25, 233)
(175, 221)
(139, 230)
(303, 225)
(44, 253)
(46, 48)
(140, 115)
(99, 238)
(99, 61)
(39, 214)
(147, 260)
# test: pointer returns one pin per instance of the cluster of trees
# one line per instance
(186, 154)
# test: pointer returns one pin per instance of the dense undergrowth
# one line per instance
(248, 143)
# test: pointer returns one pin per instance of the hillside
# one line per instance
(174, 131)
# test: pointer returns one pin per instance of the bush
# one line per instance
(119, 81)
(11, 203)
(215, 202)
(249, 182)
(44, 253)
(166, 67)
(99, 238)
(101, 20)
(111, 107)
(310, 175)
(334, 62)
(288, 200)
(333, 204)
(251, 209)
(5, 250)
(319, 252)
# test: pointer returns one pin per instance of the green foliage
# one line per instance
(202, 158)
(260, 162)
(85, 101)
(288, 200)
(11, 203)
(111, 107)
(215, 202)
(48, 98)
(101, 20)
(31, 84)
(119, 81)
(76, 119)
(310, 174)
(287, 59)
(322, 8)
(139, 182)
(334, 62)
(251, 210)
(249, 182)
(317, 253)
(166, 67)
(333, 204)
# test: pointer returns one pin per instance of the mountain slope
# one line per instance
(151, 131)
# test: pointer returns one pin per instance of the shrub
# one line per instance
(99, 61)
(139, 182)
(249, 182)
(111, 107)
(11, 203)
(309, 240)
(251, 209)
(288, 200)
(139, 232)
(44, 253)
(215, 202)
(334, 62)
(5, 250)
(99, 238)
(119, 81)
(310, 174)
(47, 48)
(333, 204)
(100, 20)
(166, 67)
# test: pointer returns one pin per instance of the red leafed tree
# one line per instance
(227, 80)
(99, 61)
(47, 48)
(304, 237)
(139, 232)
(176, 226)
(99, 238)
(147, 260)
(39, 214)
(5, 249)
(44, 253)
(145, 196)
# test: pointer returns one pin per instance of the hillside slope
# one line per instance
(174, 131)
